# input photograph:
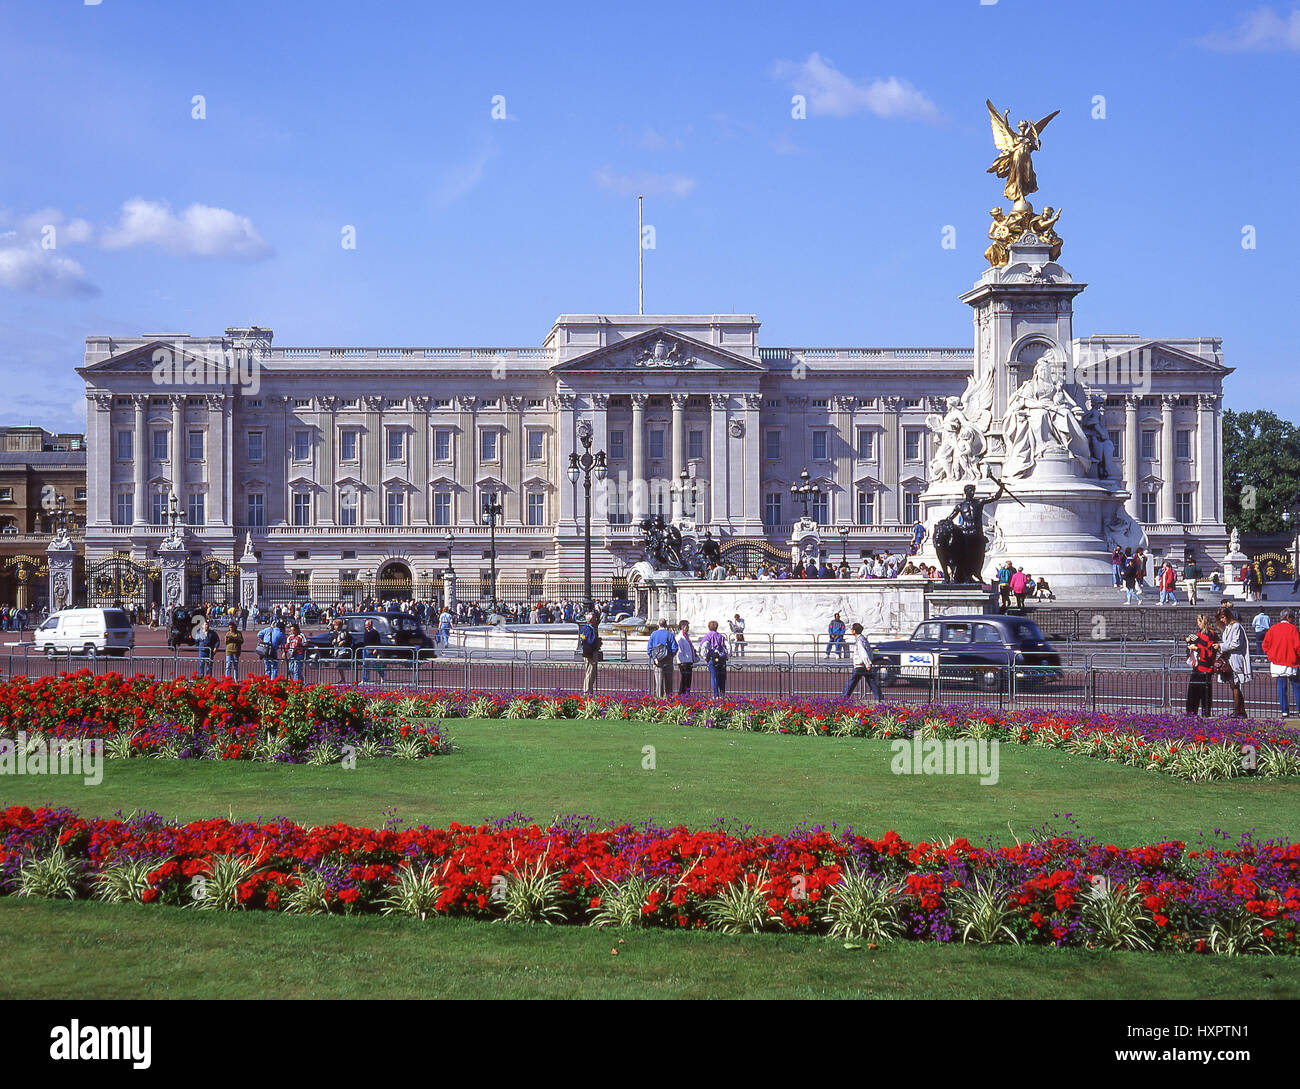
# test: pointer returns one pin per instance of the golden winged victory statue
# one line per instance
(1015, 163)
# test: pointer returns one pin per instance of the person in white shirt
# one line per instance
(878, 571)
(737, 626)
(685, 656)
(861, 666)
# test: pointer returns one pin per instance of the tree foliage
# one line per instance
(1261, 470)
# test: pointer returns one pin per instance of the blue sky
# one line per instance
(477, 231)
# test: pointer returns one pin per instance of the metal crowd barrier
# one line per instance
(1093, 684)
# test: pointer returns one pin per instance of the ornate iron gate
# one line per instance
(120, 579)
(747, 554)
(212, 582)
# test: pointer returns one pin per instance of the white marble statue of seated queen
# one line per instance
(1041, 416)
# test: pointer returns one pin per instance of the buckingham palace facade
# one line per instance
(339, 463)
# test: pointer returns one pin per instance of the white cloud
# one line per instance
(199, 231)
(654, 140)
(25, 266)
(461, 179)
(629, 185)
(833, 94)
(1262, 30)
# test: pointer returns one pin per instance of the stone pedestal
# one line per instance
(805, 542)
(449, 590)
(248, 564)
(61, 555)
(171, 558)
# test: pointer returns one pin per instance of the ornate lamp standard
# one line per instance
(844, 545)
(451, 540)
(581, 465)
(492, 511)
(805, 491)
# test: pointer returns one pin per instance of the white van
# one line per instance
(80, 631)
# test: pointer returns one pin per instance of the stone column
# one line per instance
(326, 452)
(890, 464)
(371, 461)
(178, 447)
(844, 455)
(678, 401)
(639, 499)
(566, 436)
(750, 440)
(61, 555)
(718, 512)
(1167, 403)
(1204, 463)
(141, 451)
(1131, 403)
(599, 441)
(99, 460)
(466, 463)
(418, 455)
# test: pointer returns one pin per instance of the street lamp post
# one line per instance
(582, 465)
(805, 491)
(492, 510)
(451, 539)
(844, 545)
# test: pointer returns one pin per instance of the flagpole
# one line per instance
(640, 259)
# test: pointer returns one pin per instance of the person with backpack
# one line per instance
(207, 650)
(685, 656)
(234, 648)
(713, 649)
(589, 648)
(1132, 572)
(1234, 657)
(661, 649)
(1191, 573)
(1004, 584)
(862, 670)
(295, 652)
(269, 641)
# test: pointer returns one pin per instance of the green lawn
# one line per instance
(92, 950)
(546, 768)
(542, 769)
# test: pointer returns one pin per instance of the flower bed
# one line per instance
(1061, 891)
(283, 720)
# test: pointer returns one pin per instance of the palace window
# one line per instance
(772, 509)
(157, 509)
(125, 445)
(196, 445)
(1147, 507)
(616, 504)
(349, 507)
(160, 445)
(772, 446)
(536, 444)
(302, 402)
(866, 508)
(912, 444)
(1149, 445)
(821, 402)
(1117, 441)
(487, 445)
(396, 444)
(6, 495)
(195, 514)
(657, 444)
(442, 508)
(257, 509)
(348, 445)
(866, 444)
(396, 511)
(79, 495)
(124, 508)
(442, 445)
(616, 445)
(821, 508)
(442, 402)
(911, 507)
(695, 445)
(1183, 445)
(536, 402)
(536, 509)
(912, 402)
(301, 445)
(819, 445)
(1183, 507)
(256, 445)
(301, 509)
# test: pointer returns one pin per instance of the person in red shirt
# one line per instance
(1281, 646)
(1201, 649)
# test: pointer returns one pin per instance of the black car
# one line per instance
(979, 649)
(395, 630)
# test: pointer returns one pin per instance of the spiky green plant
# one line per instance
(1238, 933)
(1276, 761)
(983, 914)
(310, 896)
(411, 747)
(482, 707)
(864, 906)
(124, 880)
(121, 746)
(415, 893)
(621, 902)
(323, 754)
(531, 895)
(51, 876)
(371, 748)
(741, 907)
(1117, 917)
(218, 889)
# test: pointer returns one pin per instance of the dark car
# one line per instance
(395, 630)
(979, 649)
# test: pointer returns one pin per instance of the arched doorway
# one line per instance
(393, 582)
